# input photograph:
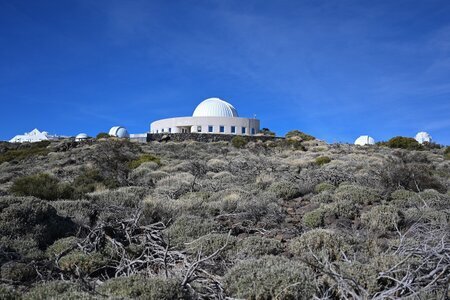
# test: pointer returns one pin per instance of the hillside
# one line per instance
(284, 219)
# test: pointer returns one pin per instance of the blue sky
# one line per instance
(334, 69)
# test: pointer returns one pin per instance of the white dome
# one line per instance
(364, 140)
(81, 136)
(215, 107)
(423, 137)
(119, 131)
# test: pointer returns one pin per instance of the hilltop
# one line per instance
(278, 219)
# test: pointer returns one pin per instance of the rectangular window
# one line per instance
(162, 130)
(253, 131)
(233, 129)
(170, 130)
(210, 128)
(199, 128)
(244, 130)
(222, 129)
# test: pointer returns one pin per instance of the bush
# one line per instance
(404, 143)
(447, 152)
(17, 271)
(270, 277)
(85, 263)
(256, 246)
(286, 190)
(382, 219)
(20, 217)
(321, 160)
(298, 134)
(60, 246)
(42, 186)
(8, 292)
(175, 186)
(315, 218)
(102, 135)
(356, 194)
(323, 243)
(187, 228)
(25, 151)
(56, 290)
(138, 287)
(89, 181)
(143, 159)
(324, 186)
(239, 141)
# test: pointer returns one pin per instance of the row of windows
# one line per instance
(211, 129)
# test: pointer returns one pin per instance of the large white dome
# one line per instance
(119, 131)
(364, 140)
(423, 137)
(215, 107)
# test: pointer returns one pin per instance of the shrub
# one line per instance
(174, 186)
(323, 243)
(60, 246)
(286, 190)
(321, 160)
(346, 209)
(447, 152)
(356, 194)
(324, 186)
(256, 246)
(323, 197)
(25, 151)
(404, 199)
(210, 243)
(404, 143)
(56, 290)
(85, 263)
(298, 134)
(267, 131)
(17, 271)
(187, 228)
(239, 141)
(8, 292)
(143, 159)
(20, 217)
(102, 135)
(42, 186)
(89, 181)
(270, 277)
(81, 212)
(382, 219)
(138, 287)
(315, 218)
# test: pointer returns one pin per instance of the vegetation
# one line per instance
(25, 151)
(102, 135)
(298, 134)
(403, 143)
(239, 141)
(260, 220)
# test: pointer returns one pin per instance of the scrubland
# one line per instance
(282, 219)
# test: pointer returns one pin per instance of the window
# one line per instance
(210, 128)
(199, 128)
(244, 130)
(233, 129)
(170, 130)
(222, 129)
(253, 131)
(162, 130)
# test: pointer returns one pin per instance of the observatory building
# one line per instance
(212, 115)
(34, 136)
(364, 140)
(119, 131)
(423, 137)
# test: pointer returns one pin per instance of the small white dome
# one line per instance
(81, 136)
(215, 107)
(119, 131)
(423, 137)
(364, 140)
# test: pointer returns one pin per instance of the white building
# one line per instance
(364, 140)
(34, 136)
(81, 137)
(119, 131)
(423, 137)
(213, 115)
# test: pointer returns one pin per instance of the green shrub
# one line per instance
(270, 277)
(57, 290)
(210, 243)
(20, 217)
(321, 160)
(102, 135)
(404, 199)
(17, 271)
(315, 218)
(323, 243)
(357, 194)
(89, 181)
(298, 134)
(137, 287)
(286, 190)
(85, 263)
(143, 159)
(187, 228)
(8, 292)
(346, 209)
(81, 212)
(256, 246)
(324, 186)
(404, 143)
(239, 141)
(267, 131)
(61, 245)
(25, 151)
(447, 152)
(382, 219)
(42, 186)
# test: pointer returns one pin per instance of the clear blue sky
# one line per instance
(334, 69)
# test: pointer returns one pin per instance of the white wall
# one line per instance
(205, 122)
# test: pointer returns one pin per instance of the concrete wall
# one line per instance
(175, 125)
